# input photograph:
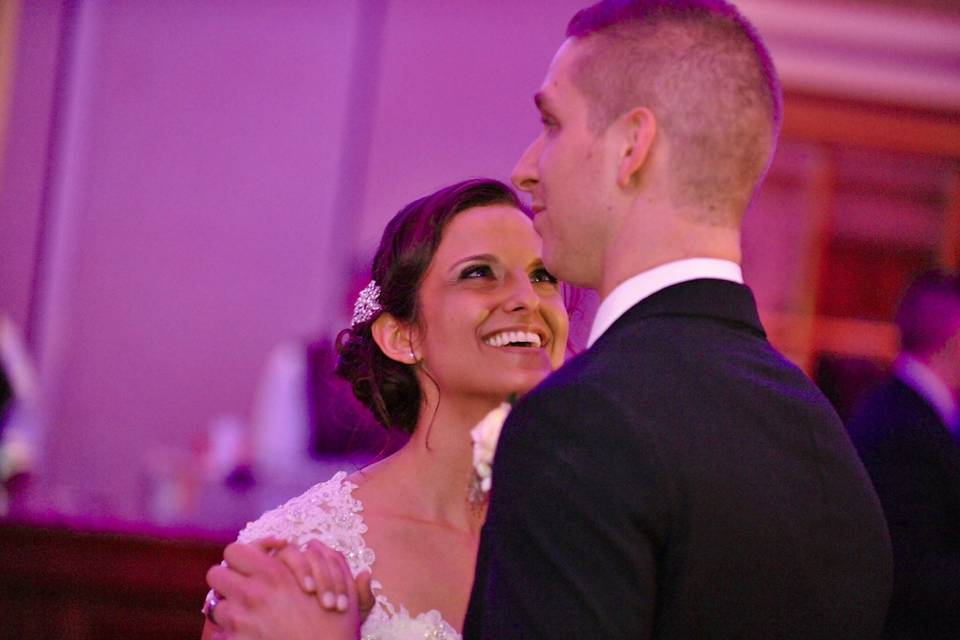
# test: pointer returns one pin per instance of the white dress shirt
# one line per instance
(643, 285)
(931, 388)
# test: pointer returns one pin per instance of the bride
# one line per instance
(460, 314)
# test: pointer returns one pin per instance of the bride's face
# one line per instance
(492, 319)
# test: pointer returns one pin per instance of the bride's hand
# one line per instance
(260, 598)
(321, 570)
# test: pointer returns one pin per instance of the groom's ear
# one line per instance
(396, 339)
(640, 128)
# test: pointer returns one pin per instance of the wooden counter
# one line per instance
(66, 584)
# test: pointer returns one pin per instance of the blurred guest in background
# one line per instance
(908, 435)
(6, 396)
(303, 412)
(18, 411)
(847, 379)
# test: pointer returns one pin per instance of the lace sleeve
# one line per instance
(326, 512)
(329, 513)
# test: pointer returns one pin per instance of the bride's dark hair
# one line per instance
(387, 387)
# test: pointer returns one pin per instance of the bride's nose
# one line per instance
(521, 295)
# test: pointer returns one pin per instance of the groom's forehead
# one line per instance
(559, 65)
(558, 82)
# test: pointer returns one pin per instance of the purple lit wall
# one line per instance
(23, 169)
(186, 184)
(214, 172)
(188, 228)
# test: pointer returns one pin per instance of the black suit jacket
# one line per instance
(915, 467)
(680, 479)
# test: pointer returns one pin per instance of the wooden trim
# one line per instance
(839, 336)
(73, 585)
(949, 254)
(9, 24)
(871, 126)
(821, 195)
(855, 337)
(787, 331)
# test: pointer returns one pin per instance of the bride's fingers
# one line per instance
(270, 546)
(327, 592)
(224, 616)
(226, 582)
(350, 585)
(301, 569)
(320, 555)
(246, 559)
(365, 599)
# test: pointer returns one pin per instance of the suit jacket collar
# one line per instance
(909, 396)
(722, 300)
(647, 283)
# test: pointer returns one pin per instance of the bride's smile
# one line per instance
(487, 282)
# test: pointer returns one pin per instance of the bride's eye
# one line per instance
(542, 275)
(476, 271)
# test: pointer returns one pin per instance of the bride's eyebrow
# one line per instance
(481, 257)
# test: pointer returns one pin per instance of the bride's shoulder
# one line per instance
(327, 512)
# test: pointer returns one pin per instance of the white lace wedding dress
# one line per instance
(328, 512)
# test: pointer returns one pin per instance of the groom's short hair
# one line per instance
(704, 72)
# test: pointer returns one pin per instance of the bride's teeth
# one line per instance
(506, 337)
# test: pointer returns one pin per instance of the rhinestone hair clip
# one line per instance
(367, 304)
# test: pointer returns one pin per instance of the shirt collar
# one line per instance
(643, 285)
(931, 388)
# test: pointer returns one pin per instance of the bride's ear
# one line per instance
(396, 339)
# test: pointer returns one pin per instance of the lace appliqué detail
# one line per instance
(329, 513)
(386, 623)
(326, 512)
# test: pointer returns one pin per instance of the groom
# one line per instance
(679, 479)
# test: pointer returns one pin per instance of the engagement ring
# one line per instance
(210, 605)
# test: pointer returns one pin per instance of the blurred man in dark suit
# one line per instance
(908, 435)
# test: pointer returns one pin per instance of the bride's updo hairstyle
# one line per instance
(387, 387)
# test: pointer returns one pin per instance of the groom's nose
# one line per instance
(524, 175)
